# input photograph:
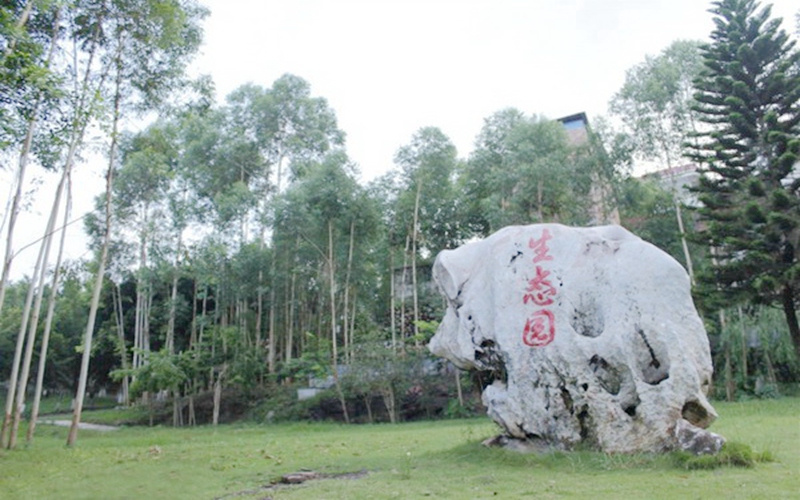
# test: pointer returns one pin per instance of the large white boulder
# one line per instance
(590, 334)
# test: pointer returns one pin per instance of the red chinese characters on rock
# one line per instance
(540, 291)
(540, 247)
(540, 327)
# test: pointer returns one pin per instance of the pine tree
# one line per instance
(748, 148)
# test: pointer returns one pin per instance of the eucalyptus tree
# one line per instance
(147, 45)
(748, 96)
(479, 180)
(147, 169)
(656, 106)
(428, 166)
(384, 192)
(362, 225)
(289, 128)
(335, 223)
(80, 108)
(524, 170)
(45, 343)
(302, 267)
(27, 84)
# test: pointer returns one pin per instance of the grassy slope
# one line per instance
(437, 459)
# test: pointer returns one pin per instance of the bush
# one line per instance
(731, 455)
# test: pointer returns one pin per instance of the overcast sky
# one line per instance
(390, 67)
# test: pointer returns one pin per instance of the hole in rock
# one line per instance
(651, 358)
(490, 364)
(567, 398)
(628, 396)
(585, 387)
(586, 425)
(694, 412)
(607, 375)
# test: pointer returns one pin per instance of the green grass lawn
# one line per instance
(442, 459)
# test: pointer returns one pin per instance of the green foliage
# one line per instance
(427, 193)
(282, 405)
(523, 171)
(648, 210)
(161, 371)
(426, 329)
(27, 81)
(753, 354)
(456, 410)
(314, 363)
(655, 102)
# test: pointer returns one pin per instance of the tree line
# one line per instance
(235, 246)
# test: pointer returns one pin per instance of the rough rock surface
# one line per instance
(590, 334)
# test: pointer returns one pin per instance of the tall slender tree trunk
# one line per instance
(678, 214)
(272, 313)
(353, 323)
(415, 233)
(788, 303)
(539, 201)
(218, 396)
(148, 306)
(389, 401)
(37, 308)
(392, 305)
(684, 243)
(403, 278)
(170, 341)
(273, 271)
(730, 384)
(142, 294)
(334, 340)
(123, 350)
(744, 363)
(137, 327)
(346, 330)
(459, 392)
(193, 326)
(37, 397)
(98, 284)
(203, 314)
(87, 343)
(290, 320)
(15, 207)
(259, 308)
(12, 383)
(260, 294)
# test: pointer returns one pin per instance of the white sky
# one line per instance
(390, 67)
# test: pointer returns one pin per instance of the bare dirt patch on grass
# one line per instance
(294, 479)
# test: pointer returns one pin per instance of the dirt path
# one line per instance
(82, 425)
